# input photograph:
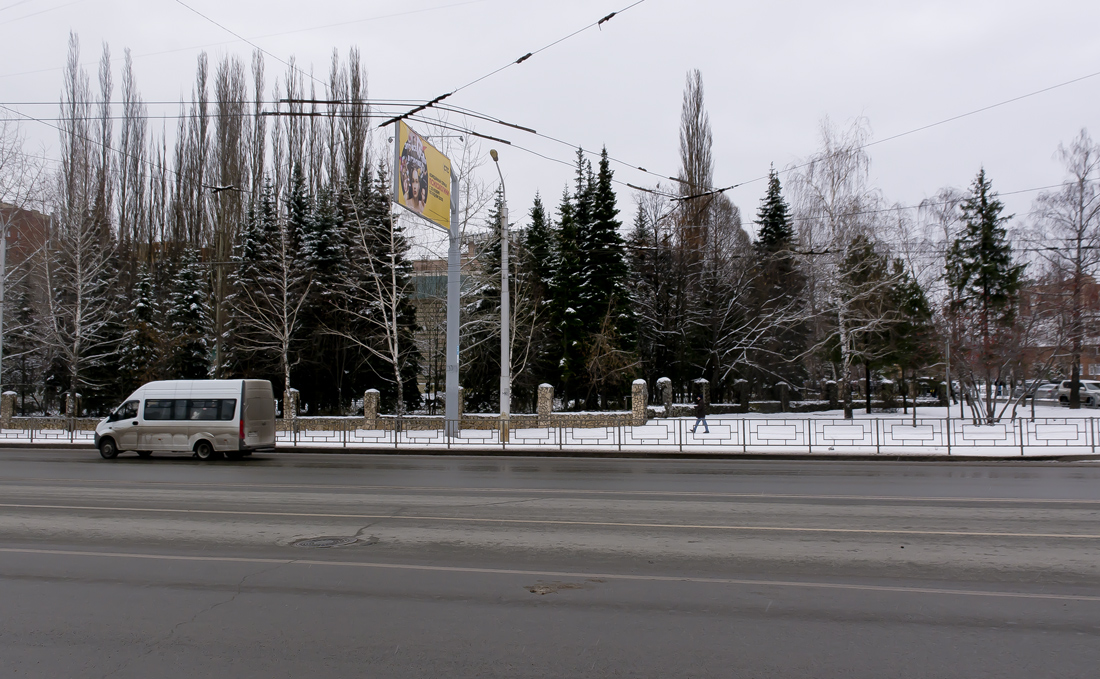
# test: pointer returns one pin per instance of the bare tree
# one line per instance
(1067, 233)
(76, 263)
(834, 204)
(133, 222)
(270, 288)
(377, 288)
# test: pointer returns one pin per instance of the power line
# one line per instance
(522, 59)
(254, 45)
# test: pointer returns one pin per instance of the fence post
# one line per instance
(744, 427)
(810, 435)
(947, 434)
(878, 436)
(1092, 430)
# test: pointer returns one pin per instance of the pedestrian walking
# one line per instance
(700, 415)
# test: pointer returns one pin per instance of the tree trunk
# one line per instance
(867, 381)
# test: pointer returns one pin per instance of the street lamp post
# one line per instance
(505, 311)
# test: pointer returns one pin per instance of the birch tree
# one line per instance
(270, 289)
(377, 289)
(1067, 233)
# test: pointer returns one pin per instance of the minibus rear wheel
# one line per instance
(205, 451)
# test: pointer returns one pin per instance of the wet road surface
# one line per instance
(522, 567)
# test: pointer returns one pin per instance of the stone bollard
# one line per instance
(545, 406)
(941, 394)
(702, 388)
(371, 399)
(784, 391)
(72, 405)
(7, 409)
(831, 393)
(639, 402)
(741, 388)
(290, 404)
(664, 392)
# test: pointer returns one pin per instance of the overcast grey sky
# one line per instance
(771, 71)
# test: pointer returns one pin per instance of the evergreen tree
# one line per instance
(913, 341)
(139, 352)
(778, 290)
(481, 360)
(611, 325)
(867, 285)
(535, 272)
(774, 219)
(188, 320)
(568, 294)
(378, 297)
(985, 284)
(323, 254)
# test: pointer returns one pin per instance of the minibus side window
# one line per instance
(228, 406)
(179, 412)
(158, 409)
(203, 410)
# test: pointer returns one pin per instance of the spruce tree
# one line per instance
(188, 320)
(774, 218)
(611, 330)
(481, 361)
(778, 290)
(985, 282)
(567, 299)
(140, 351)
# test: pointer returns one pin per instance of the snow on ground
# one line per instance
(1053, 431)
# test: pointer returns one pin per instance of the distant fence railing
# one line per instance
(808, 435)
(811, 435)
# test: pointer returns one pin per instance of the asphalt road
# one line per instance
(521, 567)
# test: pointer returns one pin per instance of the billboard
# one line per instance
(422, 177)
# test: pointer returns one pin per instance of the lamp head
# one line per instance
(493, 154)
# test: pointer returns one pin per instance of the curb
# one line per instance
(567, 453)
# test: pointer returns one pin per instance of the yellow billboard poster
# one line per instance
(422, 177)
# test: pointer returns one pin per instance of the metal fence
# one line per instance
(809, 435)
(1041, 436)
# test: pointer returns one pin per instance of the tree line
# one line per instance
(267, 246)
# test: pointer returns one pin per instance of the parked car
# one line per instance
(1047, 392)
(1090, 393)
(1027, 386)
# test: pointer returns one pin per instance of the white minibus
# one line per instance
(210, 418)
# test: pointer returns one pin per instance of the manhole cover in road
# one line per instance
(324, 543)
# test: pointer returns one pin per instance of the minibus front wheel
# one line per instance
(108, 449)
(205, 451)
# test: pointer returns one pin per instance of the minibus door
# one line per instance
(124, 425)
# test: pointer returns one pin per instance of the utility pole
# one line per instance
(451, 416)
(222, 253)
(6, 222)
(505, 312)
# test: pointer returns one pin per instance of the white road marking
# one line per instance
(561, 574)
(557, 522)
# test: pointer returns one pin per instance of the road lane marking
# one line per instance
(557, 522)
(559, 574)
(560, 491)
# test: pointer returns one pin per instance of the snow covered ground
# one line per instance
(935, 432)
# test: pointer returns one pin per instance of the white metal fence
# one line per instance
(1042, 436)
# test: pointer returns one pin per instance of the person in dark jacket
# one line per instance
(700, 415)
